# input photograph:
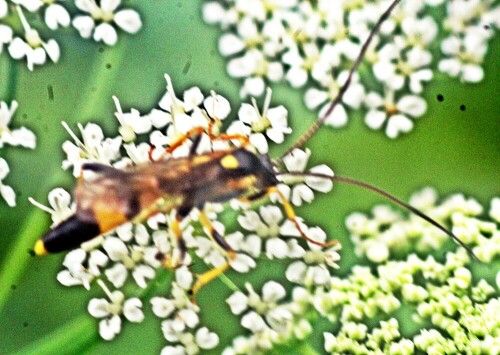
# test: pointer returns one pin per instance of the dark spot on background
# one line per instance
(440, 97)
(50, 91)
(101, 50)
(486, 27)
(462, 107)
(25, 324)
(31, 252)
(187, 66)
(13, 287)
(25, 115)
(93, 89)
(108, 66)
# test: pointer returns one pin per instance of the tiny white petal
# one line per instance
(132, 310)
(105, 33)
(109, 328)
(206, 339)
(128, 20)
(273, 291)
(98, 307)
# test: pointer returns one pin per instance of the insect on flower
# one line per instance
(180, 185)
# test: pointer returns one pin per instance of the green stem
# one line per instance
(97, 88)
(17, 260)
(80, 335)
(71, 338)
(230, 284)
(8, 92)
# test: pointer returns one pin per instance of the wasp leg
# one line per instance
(208, 276)
(290, 214)
(175, 226)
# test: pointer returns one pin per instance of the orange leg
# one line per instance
(197, 131)
(290, 214)
(209, 275)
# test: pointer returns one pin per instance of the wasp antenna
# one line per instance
(315, 126)
(387, 195)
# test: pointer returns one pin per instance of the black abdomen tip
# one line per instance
(69, 235)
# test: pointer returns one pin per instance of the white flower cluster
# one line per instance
(461, 316)
(311, 44)
(15, 137)
(130, 254)
(268, 318)
(386, 235)
(25, 42)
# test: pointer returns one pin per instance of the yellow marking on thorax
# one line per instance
(242, 183)
(229, 162)
(200, 159)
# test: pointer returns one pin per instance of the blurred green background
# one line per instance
(450, 149)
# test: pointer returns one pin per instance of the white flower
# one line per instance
(61, 205)
(21, 136)
(206, 339)
(272, 121)
(314, 268)
(265, 225)
(82, 267)
(353, 97)
(4, 9)
(263, 311)
(94, 148)
(56, 15)
(111, 311)
(395, 115)
(132, 123)
(33, 48)
(494, 210)
(6, 35)
(6, 191)
(100, 20)
(465, 57)
(129, 258)
(399, 64)
(302, 188)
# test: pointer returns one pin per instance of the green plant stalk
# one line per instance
(17, 260)
(80, 334)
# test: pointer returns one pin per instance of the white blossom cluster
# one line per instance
(312, 44)
(460, 311)
(386, 235)
(15, 137)
(457, 314)
(95, 19)
(130, 254)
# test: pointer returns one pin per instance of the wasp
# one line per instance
(180, 185)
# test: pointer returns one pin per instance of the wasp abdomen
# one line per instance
(67, 235)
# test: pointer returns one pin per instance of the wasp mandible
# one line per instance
(180, 185)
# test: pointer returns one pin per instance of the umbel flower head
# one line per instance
(310, 44)
(134, 254)
(457, 308)
(99, 20)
